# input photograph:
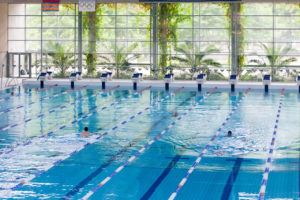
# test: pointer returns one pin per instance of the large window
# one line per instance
(182, 38)
(121, 34)
(201, 40)
(271, 38)
(45, 35)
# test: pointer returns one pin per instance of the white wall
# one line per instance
(3, 34)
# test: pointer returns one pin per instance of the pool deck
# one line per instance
(160, 84)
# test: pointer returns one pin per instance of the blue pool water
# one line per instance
(42, 155)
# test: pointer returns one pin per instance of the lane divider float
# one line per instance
(142, 150)
(41, 99)
(205, 149)
(100, 168)
(13, 88)
(41, 114)
(12, 147)
(93, 139)
(263, 185)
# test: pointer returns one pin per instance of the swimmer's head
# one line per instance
(229, 134)
(86, 129)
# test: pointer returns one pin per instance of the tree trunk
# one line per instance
(163, 37)
(92, 32)
(240, 41)
(118, 72)
(237, 36)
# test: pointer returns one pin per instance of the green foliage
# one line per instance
(216, 76)
(59, 58)
(168, 19)
(91, 59)
(238, 32)
(198, 60)
(248, 77)
(274, 57)
(91, 22)
(122, 58)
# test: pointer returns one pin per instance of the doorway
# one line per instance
(19, 65)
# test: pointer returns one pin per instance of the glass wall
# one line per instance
(271, 40)
(50, 37)
(119, 36)
(197, 39)
(154, 39)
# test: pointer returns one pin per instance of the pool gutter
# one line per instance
(159, 84)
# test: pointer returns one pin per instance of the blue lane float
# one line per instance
(267, 170)
(102, 167)
(41, 99)
(13, 94)
(140, 151)
(93, 139)
(26, 142)
(205, 149)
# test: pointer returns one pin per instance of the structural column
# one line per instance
(80, 41)
(3, 37)
(235, 31)
(154, 39)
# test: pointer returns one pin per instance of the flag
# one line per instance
(50, 5)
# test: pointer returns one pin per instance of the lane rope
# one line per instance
(100, 168)
(142, 150)
(93, 139)
(41, 114)
(13, 89)
(12, 147)
(205, 149)
(267, 169)
(41, 99)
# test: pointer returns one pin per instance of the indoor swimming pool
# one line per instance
(149, 144)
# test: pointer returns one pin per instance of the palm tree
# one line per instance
(236, 31)
(60, 59)
(168, 18)
(274, 57)
(122, 58)
(196, 61)
(92, 22)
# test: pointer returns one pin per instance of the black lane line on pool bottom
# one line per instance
(162, 176)
(95, 173)
(85, 181)
(231, 179)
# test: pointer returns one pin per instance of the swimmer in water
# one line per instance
(229, 134)
(85, 132)
(12, 93)
(175, 114)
